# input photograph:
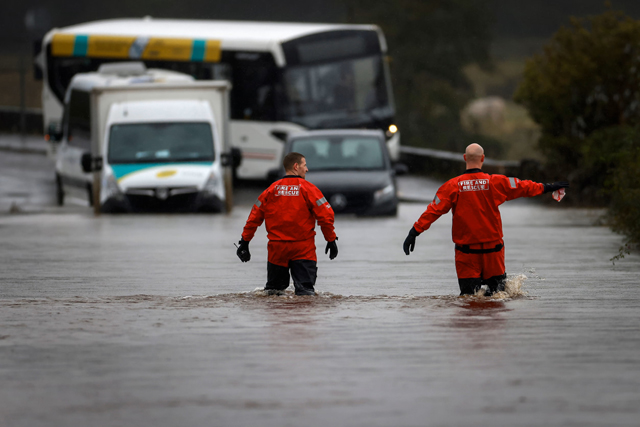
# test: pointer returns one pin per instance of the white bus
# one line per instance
(285, 77)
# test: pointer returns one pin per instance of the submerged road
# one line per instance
(151, 320)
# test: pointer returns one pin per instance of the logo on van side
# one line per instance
(166, 173)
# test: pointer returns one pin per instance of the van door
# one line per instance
(75, 142)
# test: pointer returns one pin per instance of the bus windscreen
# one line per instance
(344, 93)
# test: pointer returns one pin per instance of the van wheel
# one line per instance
(59, 191)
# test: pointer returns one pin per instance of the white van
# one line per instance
(158, 141)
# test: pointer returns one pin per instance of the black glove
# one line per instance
(243, 251)
(332, 248)
(410, 241)
(548, 188)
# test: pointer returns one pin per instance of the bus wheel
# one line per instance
(59, 191)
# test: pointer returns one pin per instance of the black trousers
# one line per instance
(303, 271)
(471, 286)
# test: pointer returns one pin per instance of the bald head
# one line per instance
(474, 156)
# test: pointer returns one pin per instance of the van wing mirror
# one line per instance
(400, 169)
(236, 157)
(233, 158)
(90, 164)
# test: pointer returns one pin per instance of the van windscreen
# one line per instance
(160, 143)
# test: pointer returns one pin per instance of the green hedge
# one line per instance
(624, 188)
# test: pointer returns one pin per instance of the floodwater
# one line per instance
(151, 320)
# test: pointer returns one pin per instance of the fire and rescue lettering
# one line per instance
(473, 185)
(287, 190)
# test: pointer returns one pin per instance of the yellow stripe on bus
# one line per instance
(150, 48)
(109, 46)
(163, 49)
(62, 44)
(213, 51)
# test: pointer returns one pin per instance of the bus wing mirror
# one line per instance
(54, 133)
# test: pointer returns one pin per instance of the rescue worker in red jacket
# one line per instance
(290, 208)
(474, 198)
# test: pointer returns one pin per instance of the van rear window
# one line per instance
(340, 153)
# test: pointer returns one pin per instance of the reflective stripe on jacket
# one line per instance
(474, 198)
(290, 208)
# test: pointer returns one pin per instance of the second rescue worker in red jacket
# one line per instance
(290, 208)
(474, 198)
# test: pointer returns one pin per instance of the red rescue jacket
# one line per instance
(290, 208)
(474, 198)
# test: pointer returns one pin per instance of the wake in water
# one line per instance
(513, 288)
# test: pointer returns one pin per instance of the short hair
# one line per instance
(291, 159)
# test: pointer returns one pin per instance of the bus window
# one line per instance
(60, 71)
(254, 79)
(331, 46)
(219, 71)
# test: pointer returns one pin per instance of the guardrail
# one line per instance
(16, 120)
(428, 161)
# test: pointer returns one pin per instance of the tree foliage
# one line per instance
(625, 197)
(587, 78)
(584, 91)
(430, 41)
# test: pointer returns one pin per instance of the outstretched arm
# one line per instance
(513, 188)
